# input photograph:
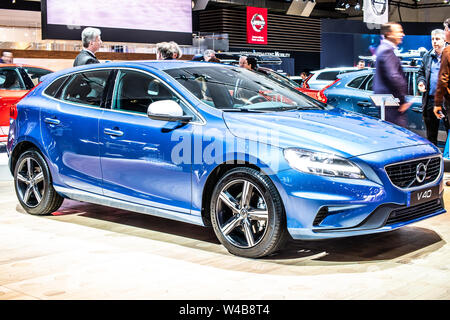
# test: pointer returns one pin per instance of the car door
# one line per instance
(138, 153)
(69, 128)
(414, 113)
(361, 100)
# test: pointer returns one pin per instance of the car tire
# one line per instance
(247, 214)
(33, 184)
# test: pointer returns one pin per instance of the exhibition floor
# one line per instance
(91, 252)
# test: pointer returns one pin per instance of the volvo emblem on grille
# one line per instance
(421, 172)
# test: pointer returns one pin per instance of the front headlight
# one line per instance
(321, 163)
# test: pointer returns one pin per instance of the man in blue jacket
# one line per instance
(389, 77)
(427, 83)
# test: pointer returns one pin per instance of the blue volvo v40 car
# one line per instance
(218, 146)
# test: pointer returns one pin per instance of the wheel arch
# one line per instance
(215, 176)
(20, 148)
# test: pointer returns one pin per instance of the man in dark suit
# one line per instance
(389, 77)
(91, 43)
(427, 83)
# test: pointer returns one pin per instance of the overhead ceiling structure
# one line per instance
(317, 8)
(314, 8)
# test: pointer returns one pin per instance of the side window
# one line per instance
(328, 75)
(368, 83)
(356, 83)
(86, 87)
(11, 80)
(53, 89)
(135, 91)
(35, 74)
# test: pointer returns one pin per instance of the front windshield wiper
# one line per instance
(242, 110)
(309, 108)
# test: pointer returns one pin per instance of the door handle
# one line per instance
(111, 132)
(364, 104)
(417, 109)
(52, 121)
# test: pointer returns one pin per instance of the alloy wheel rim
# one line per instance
(30, 182)
(242, 213)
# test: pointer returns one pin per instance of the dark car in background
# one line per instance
(352, 91)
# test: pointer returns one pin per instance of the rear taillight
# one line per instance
(305, 83)
(13, 107)
(13, 111)
(321, 94)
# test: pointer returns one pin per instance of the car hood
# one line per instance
(338, 131)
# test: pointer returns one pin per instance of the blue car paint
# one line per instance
(95, 163)
(358, 100)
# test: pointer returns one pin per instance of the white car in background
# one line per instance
(324, 77)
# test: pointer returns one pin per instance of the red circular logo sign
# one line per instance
(258, 22)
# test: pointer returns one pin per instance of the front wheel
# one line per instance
(33, 185)
(247, 214)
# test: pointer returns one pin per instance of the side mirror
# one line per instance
(167, 110)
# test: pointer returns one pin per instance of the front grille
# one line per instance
(414, 212)
(404, 175)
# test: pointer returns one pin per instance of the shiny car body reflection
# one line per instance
(352, 92)
(218, 146)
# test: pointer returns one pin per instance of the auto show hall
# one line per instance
(86, 251)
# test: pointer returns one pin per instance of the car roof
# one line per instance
(355, 73)
(334, 69)
(22, 65)
(369, 70)
(139, 64)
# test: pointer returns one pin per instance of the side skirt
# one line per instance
(83, 196)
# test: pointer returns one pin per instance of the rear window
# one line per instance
(86, 87)
(328, 75)
(356, 83)
(10, 79)
(35, 74)
(53, 89)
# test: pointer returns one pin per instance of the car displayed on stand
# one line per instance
(15, 81)
(319, 79)
(204, 143)
(352, 92)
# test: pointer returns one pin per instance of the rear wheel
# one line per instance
(247, 214)
(33, 185)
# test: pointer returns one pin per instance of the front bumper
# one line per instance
(319, 207)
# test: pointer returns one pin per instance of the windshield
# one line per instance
(238, 89)
(280, 78)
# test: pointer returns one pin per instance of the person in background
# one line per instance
(427, 78)
(177, 53)
(7, 57)
(303, 77)
(91, 39)
(361, 64)
(168, 51)
(389, 76)
(242, 61)
(208, 54)
(249, 63)
(214, 59)
(442, 94)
